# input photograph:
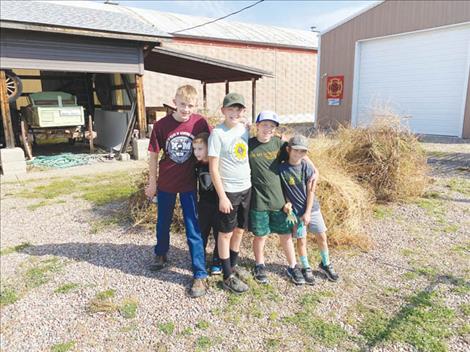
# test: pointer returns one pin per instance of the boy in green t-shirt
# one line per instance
(267, 199)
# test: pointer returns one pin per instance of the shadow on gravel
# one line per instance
(445, 163)
(128, 258)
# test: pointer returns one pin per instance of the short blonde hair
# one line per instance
(187, 92)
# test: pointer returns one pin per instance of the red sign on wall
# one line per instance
(334, 87)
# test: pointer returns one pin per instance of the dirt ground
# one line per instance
(74, 275)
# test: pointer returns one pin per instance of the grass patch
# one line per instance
(203, 343)
(103, 302)
(273, 344)
(15, 249)
(167, 328)
(66, 288)
(465, 308)
(128, 309)
(450, 228)
(434, 208)
(103, 224)
(8, 296)
(462, 248)
(63, 347)
(382, 212)
(187, 331)
(423, 322)
(43, 203)
(40, 274)
(407, 252)
(202, 324)
(459, 185)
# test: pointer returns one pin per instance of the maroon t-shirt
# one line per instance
(176, 167)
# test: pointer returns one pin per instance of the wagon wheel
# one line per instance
(14, 86)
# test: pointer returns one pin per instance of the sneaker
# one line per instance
(234, 285)
(216, 269)
(295, 275)
(241, 273)
(307, 273)
(328, 271)
(159, 262)
(198, 288)
(259, 273)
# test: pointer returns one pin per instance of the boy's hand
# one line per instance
(287, 207)
(225, 206)
(306, 218)
(151, 190)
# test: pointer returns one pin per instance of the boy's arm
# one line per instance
(225, 206)
(310, 197)
(151, 188)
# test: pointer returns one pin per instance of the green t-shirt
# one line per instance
(266, 191)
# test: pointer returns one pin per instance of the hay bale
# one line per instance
(385, 157)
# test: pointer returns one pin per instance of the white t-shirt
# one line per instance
(230, 145)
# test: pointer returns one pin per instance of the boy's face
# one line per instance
(200, 151)
(233, 114)
(184, 108)
(295, 155)
(265, 130)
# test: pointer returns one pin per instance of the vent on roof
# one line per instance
(110, 2)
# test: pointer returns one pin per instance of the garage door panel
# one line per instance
(419, 74)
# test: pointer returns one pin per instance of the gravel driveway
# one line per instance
(77, 280)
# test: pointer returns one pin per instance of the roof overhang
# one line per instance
(203, 68)
(79, 31)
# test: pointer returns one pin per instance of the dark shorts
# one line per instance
(263, 223)
(238, 217)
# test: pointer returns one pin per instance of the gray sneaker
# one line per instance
(241, 273)
(295, 275)
(259, 273)
(234, 285)
(159, 262)
(308, 276)
(198, 288)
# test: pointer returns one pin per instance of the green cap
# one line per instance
(232, 99)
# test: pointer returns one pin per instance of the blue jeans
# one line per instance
(166, 206)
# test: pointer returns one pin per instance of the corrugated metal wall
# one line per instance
(52, 52)
(337, 48)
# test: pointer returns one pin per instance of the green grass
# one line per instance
(462, 248)
(66, 288)
(167, 328)
(465, 308)
(273, 344)
(103, 224)
(459, 185)
(15, 249)
(108, 193)
(44, 203)
(382, 212)
(434, 208)
(202, 324)
(187, 331)
(40, 273)
(63, 347)
(423, 322)
(407, 252)
(128, 309)
(103, 302)
(450, 228)
(203, 343)
(8, 296)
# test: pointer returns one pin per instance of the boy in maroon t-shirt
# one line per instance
(174, 135)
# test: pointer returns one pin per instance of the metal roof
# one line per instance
(81, 15)
(205, 69)
(228, 30)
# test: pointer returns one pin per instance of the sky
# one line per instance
(291, 14)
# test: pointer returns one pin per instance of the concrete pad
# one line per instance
(12, 161)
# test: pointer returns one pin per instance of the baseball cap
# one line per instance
(232, 99)
(298, 142)
(268, 116)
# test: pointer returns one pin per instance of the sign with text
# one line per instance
(334, 87)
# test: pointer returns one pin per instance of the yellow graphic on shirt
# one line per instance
(240, 150)
(291, 181)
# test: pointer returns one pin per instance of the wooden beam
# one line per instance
(204, 96)
(141, 115)
(5, 110)
(227, 87)
(253, 99)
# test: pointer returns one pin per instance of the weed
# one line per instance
(40, 274)
(128, 308)
(129, 328)
(273, 316)
(462, 248)
(43, 203)
(112, 191)
(66, 288)
(167, 328)
(106, 294)
(382, 212)
(273, 344)
(63, 347)
(465, 308)
(459, 185)
(407, 252)
(8, 296)
(464, 330)
(202, 324)
(434, 208)
(203, 343)
(102, 302)
(14, 249)
(187, 331)
(451, 228)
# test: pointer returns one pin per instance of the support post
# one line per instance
(141, 115)
(5, 110)
(204, 96)
(227, 87)
(253, 99)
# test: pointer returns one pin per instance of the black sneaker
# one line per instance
(259, 273)
(295, 275)
(328, 271)
(308, 276)
(159, 262)
(234, 284)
